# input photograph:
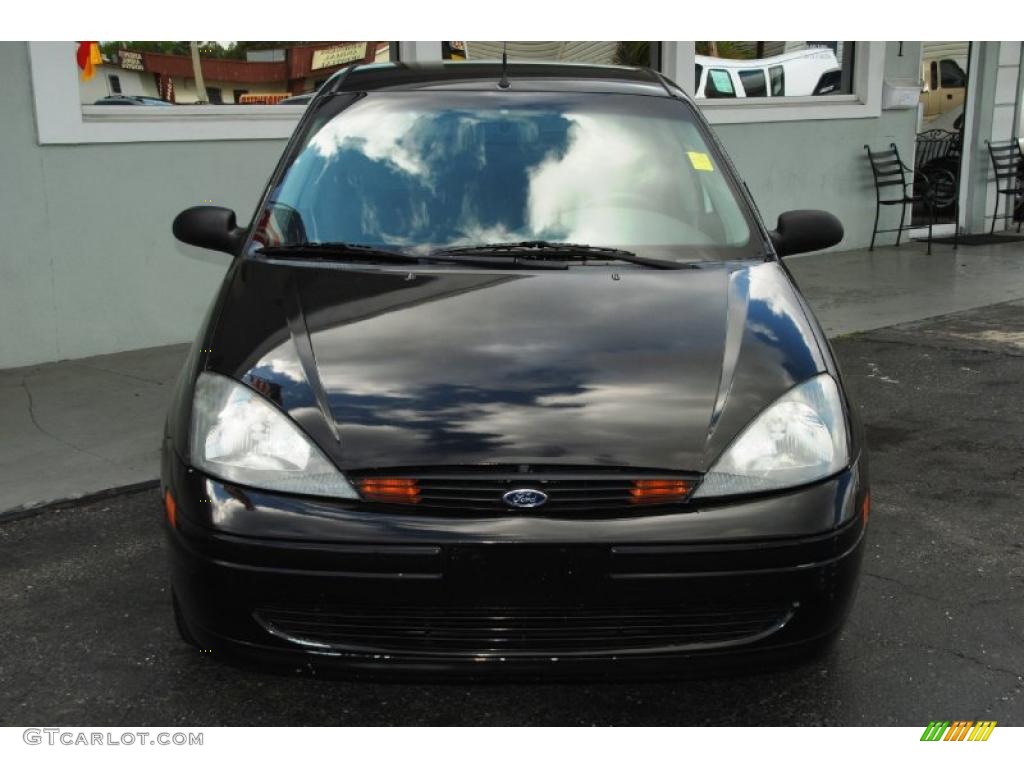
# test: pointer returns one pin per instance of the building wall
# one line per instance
(88, 264)
(819, 164)
(822, 163)
(87, 261)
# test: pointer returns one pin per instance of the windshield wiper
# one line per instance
(339, 250)
(538, 254)
(541, 250)
(370, 253)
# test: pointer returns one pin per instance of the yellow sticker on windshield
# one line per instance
(700, 161)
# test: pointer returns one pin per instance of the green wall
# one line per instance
(87, 261)
(822, 163)
(819, 164)
(88, 264)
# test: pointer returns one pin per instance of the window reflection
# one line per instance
(741, 69)
(166, 73)
(434, 170)
(628, 52)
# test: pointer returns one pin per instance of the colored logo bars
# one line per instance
(959, 730)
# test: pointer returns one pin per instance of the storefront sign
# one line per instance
(130, 60)
(262, 98)
(337, 55)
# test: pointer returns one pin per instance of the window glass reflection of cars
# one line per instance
(945, 85)
(814, 71)
(133, 101)
(302, 98)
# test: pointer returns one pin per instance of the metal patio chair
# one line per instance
(893, 188)
(937, 159)
(935, 145)
(1007, 164)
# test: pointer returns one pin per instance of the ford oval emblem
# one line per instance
(525, 498)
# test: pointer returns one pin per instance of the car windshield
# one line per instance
(442, 169)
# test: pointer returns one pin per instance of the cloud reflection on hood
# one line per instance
(571, 369)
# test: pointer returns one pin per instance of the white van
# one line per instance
(809, 72)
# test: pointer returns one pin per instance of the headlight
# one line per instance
(798, 439)
(240, 437)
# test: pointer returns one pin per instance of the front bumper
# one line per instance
(275, 578)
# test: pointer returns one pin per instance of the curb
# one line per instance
(31, 510)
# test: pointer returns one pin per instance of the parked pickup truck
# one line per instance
(945, 83)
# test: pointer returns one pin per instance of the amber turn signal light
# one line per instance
(659, 491)
(393, 490)
(171, 508)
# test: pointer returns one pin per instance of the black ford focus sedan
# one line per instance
(506, 375)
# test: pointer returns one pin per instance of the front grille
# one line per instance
(518, 631)
(569, 491)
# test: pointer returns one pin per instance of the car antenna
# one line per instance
(503, 82)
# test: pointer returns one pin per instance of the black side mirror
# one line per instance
(803, 231)
(209, 226)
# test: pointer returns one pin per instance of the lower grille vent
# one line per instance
(520, 630)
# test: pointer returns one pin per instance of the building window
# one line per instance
(629, 53)
(858, 95)
(792, 68)
(199, 73)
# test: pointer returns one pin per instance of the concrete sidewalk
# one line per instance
(78, 427)
(81, 426)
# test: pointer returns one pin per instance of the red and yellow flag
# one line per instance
(88, 56)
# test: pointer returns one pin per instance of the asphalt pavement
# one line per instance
(937, 631)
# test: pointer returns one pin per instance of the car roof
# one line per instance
(485, 75)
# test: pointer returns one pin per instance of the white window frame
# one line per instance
(678, 60)
(61, 118)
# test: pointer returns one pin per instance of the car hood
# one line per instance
(583, 367)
